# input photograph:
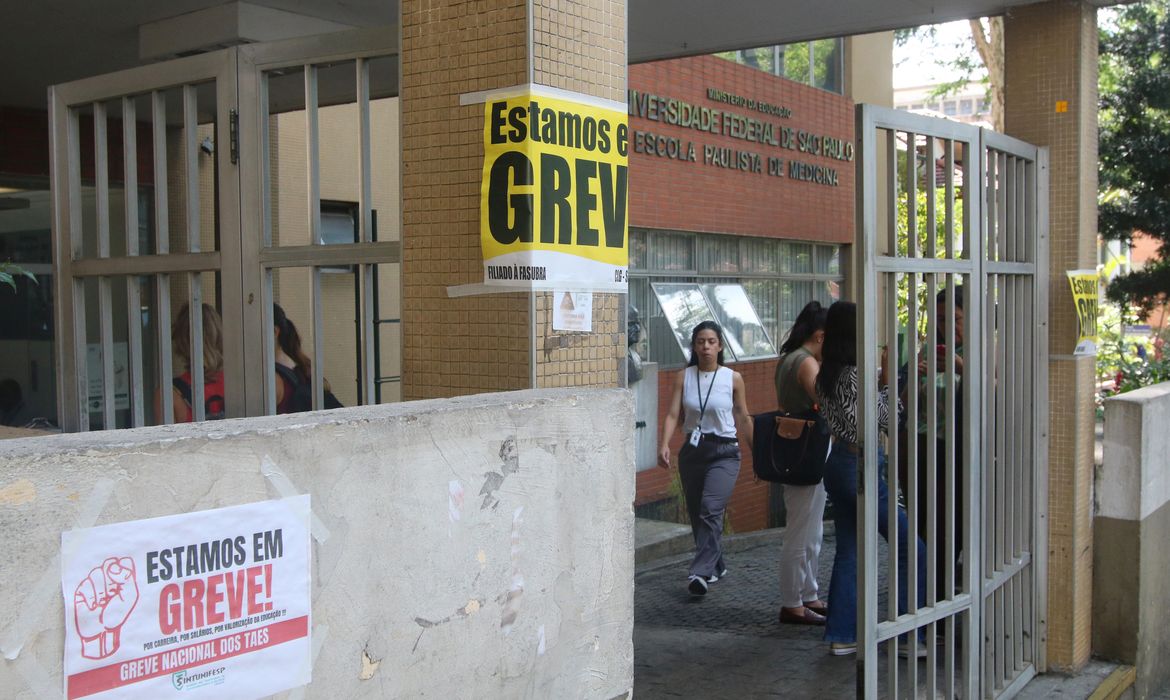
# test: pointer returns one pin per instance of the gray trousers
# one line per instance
(708, 474)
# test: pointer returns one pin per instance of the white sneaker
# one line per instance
(697, 585)
(715, 577)
(919, 650)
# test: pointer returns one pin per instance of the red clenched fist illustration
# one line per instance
(102, 603)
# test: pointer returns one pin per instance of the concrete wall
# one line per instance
(408, 600)
(1131, 562)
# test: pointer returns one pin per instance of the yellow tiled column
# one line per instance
(492, 342)
(1051, 100)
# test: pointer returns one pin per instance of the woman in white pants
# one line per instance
(796, 376)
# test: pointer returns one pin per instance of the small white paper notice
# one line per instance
(573, 311)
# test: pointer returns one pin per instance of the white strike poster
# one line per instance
(211, 604)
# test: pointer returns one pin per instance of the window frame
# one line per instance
(821, 252)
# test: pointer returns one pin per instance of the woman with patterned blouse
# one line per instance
(837, 394)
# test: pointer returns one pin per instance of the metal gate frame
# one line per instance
(1004, 235)
(66, 101)
(246, 256)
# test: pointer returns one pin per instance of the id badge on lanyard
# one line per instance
(697, 433)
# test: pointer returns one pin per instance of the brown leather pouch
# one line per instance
(792, 428)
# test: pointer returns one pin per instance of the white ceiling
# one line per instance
(43, 42)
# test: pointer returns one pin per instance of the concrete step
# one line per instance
(657, 539)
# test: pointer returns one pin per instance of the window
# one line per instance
(777, 278)
(949, 108)
(686, 305)
(966, 107)
(818, 63)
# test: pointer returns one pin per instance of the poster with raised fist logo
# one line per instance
(209, 604)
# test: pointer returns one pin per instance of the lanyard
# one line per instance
(699, 389)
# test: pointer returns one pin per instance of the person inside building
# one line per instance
(936, 353)
(711, 400)
(12, 408)
(212, 357)
(294, 369)
(804, 506)
(836, 388)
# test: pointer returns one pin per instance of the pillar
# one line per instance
(1050, 82)
(490, 342)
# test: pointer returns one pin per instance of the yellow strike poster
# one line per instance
(1084, 291)
(553, 201)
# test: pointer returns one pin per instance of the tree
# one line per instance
(984, 64)
(1134, 125)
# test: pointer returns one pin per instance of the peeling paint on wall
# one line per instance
(512, 603)
(18, 493)
(510, 463)
(369, 666)
(454, 500)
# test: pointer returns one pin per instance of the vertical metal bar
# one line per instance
(970, 486)
(133, 282)
(1011, 201)
(162, 246)
(194, 279)
(912, 249)
(195, 366)
(226, 169)
(365, 233)
(949, 196)
(1001, 203)
(313, 159)
(992, 180)
(950, 468)
(1023, 376)
(64, 146)
(931, 214)
(891, 191)
(913, 396)
(865, 259)
(1038, 217)
(269, 342)
(105, 294)
(318, 344)
(312, 155)
(889, 323)
(191, 165)
(256, 365)
(162, 240)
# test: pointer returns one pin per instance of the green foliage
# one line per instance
(1134, 119)
(924, 234)
(10, 271)
(956, 57)
(1121, 367)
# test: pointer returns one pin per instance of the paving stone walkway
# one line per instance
(729, 643)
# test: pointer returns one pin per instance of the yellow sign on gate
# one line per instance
(1084, 290)
(553, 201)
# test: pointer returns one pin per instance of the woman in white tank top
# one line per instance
(710, 398)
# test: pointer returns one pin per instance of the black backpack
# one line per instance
(214, 406)
(302, 396)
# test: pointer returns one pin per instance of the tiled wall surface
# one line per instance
(580, 47)
(470, 344)
(1051, 58)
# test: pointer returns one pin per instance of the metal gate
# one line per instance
(200, 180)
(951, 280)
